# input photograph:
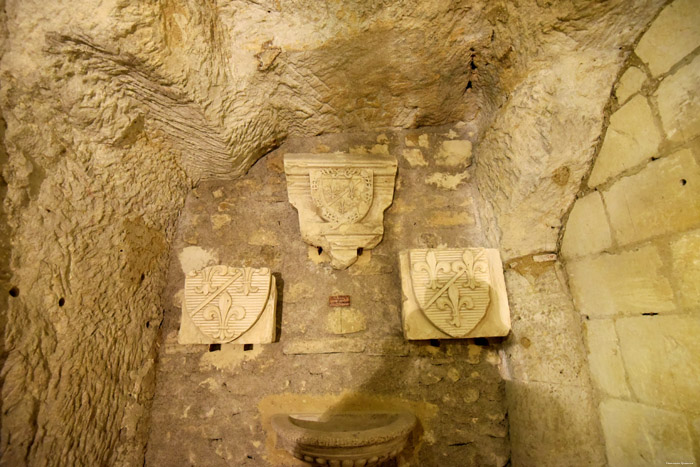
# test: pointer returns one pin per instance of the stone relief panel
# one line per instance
(341, 199)
(228, 304)
(453, 294)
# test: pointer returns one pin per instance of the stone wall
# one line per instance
(632, 250)
(529, 167)
(212, 404)
(114, 109)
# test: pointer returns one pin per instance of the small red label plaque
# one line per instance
(339, 300)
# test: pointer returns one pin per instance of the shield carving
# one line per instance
(343, 196)
(224, 302)
(451, 288)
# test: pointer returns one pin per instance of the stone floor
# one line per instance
(212, 404)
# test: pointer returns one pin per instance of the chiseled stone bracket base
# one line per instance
(341, 199)
(226, 304)
(453, 294)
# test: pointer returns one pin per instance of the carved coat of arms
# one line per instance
(451, 287)
(342, 195)
(224, 302)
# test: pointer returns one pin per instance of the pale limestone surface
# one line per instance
(625, 283)
(447, 181)
(552, 406)
(629, 84)
(324, 346)
(114, 110)
(454, 153)
(587, 230)
(545, 322)
(636, 434)
(632, 137)
(517, 166)
(346, 321)
(605, 359)
(226, 304)
(663, 198)
(686, 269)
(665, 371)
(678, 98)
(341, 200)
(646, 281)
(673, 35)
(453, 294)
(414, 157)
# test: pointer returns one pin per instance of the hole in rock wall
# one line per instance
(14, 292)
(61, 301)
(214, 347)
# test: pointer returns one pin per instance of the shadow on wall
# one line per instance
(372, 412)
(364, 427)
(388, 417)
(279, 306)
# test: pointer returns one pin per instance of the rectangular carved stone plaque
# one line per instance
(453, 294)
(227, 304)
(339, 300)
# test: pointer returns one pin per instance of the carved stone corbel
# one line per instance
(341, 199)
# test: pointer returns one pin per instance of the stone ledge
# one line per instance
(324, 346)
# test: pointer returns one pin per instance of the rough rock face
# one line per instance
(114, 108)
(540, 143)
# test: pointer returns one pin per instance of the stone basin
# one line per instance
(344, 439)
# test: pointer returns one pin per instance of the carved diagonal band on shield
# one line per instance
(224, 302)
(451, 288)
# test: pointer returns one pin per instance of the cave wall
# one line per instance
(92, 194)
(632, 250)
(91, 227)
(213, 404)
(114, 109)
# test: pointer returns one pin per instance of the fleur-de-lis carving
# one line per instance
(474, 264)
(454, 303)
(247, 285)
(222, 314)
(208, 274)
(433, 267)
